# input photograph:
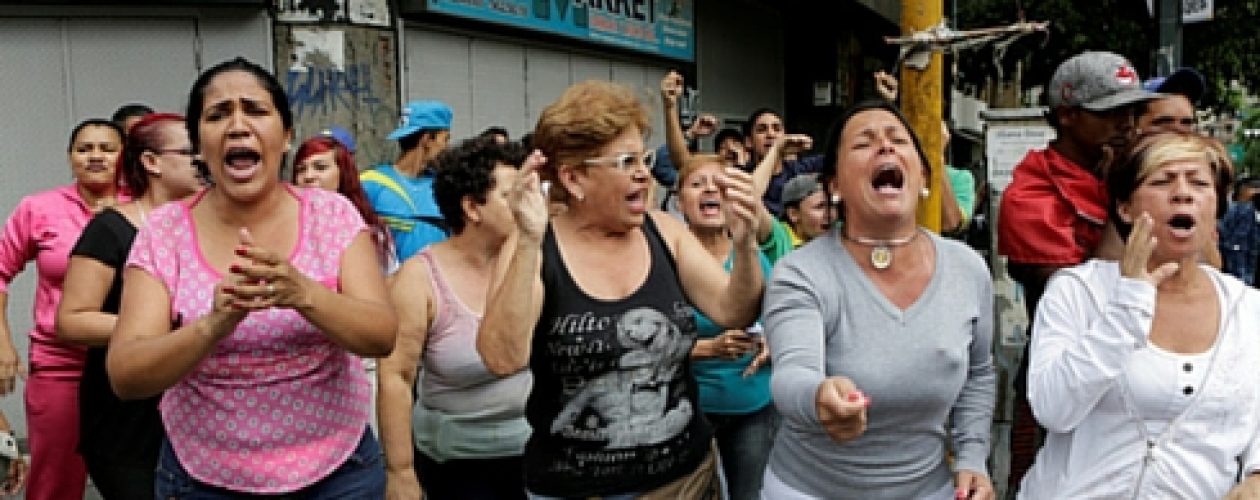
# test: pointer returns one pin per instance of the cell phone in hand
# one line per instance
(755, 330)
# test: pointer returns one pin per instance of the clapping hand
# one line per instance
(261, 279)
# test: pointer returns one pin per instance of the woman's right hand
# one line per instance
(529, 206)
(1137, 254)
(402, 484)
(841, 408)
(732, 344)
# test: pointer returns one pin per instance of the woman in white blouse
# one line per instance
(1144, 371)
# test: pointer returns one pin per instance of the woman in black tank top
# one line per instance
(598, 304)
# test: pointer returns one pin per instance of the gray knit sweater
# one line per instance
(922, 368)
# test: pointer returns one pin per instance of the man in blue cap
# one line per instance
(1174, 111)
(402, 194)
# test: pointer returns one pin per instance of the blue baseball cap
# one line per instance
(341, 135)
(1184, 81)
(422, 115)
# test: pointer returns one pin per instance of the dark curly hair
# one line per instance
(468, 170)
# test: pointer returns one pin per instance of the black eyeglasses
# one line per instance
(626, 162)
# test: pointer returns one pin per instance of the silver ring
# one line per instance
(271, 289)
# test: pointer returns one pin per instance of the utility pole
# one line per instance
(921, 97)
(1167, 56)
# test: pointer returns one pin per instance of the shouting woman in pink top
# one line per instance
(247, 304)
(43, 228)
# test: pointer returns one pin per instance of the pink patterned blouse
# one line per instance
(277, 406)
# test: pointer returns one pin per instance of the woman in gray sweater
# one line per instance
(880, 333)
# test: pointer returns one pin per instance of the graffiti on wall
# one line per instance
(324, 91)
(343, 77)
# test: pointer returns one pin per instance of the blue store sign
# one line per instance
(661, 27)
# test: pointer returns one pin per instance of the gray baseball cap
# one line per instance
(799, 188)
(1097, 81)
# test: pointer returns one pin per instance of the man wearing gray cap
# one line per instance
(1055, 209)
(806, 210)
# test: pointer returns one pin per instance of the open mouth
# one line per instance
(1182, 225)
(242, 162)
(710, 208)
(637, 201)
(888, 179)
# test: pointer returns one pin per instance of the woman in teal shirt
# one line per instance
(729, 365)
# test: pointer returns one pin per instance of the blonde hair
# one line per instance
(1150, 152)
(587, 116)
(695, 162)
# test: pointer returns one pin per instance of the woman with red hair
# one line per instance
(324, 162)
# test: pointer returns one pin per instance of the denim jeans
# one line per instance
(362, 476)
(744, 445)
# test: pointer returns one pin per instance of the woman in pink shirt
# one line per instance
(248, 304)
(43, 228)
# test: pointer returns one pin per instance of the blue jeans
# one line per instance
(362, 476)
(744, 444)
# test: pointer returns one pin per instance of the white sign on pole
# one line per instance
(1192, 11)
(1006, 145)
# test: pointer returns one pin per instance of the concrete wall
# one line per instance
(739, 54)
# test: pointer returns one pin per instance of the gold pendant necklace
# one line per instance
(881, 250)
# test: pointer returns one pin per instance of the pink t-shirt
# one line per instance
(277, 406)
(44, 228)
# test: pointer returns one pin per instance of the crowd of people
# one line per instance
(490, 318)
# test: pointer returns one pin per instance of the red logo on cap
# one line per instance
(1126, 76)
(1065, 93)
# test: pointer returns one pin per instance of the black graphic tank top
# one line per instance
(614, 406)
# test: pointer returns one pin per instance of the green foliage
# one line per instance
(1225, 48)
(1251, 156)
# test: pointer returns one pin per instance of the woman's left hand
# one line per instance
(970, 485)
(1137, 254)
(760, 360)
(740, 205)
(1248, 489)
(262, 279)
